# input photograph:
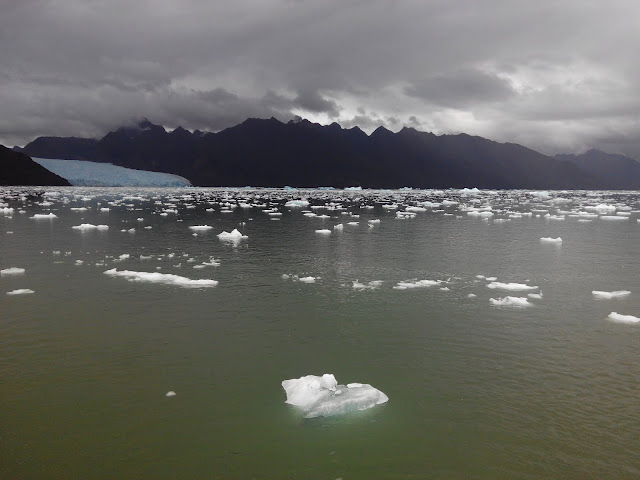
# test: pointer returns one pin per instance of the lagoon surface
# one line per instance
(497, 358)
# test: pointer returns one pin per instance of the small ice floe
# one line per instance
(323, 397)
(416, 284)
(234, 236)
(296, 204)
(170, 393)
(21, 291)
(556, 241)
(535, 296)
(619, 318)
(338, 227)
(44, 216)
(472, 295)
(88, 226)
(12, 271)
(164, 278)
(600, 295)
(510, 302)
(613, 218)
(514, 287)
(79, 262)
(200, 228)
(353, 224)
(324, 231)
(372, 285)
(374, 221)
(307, 279)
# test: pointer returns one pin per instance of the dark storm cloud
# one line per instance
(558, 75)
(463, 88)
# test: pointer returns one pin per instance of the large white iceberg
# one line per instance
(323, 397)
(234, 236)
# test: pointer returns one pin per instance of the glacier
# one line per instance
(95, 174)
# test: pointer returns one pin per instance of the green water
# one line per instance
(476, 391)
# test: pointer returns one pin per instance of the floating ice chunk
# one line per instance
(296, 203)
(613, 218)
(21, 291)
(415, 209)
(619, 318)
(124, 256)
(417, 284)
(367, 286)
(235, 236)
(353, 224)
(557, 241)
(374, 221)
(105, 209)
(6, 210)
(535, 296)
(307, 279)
(200, 228)
(510, 302)
(78, 209)
(170, 393)
(79, 262)
(338, 227)
(324, 231)
(42, 216)
(609, 295)
(322, 396)
(89, 226)
(165, 278)
(514, 287)
(472, 295)
(12, 271)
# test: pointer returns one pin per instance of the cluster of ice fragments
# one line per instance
(321, 396)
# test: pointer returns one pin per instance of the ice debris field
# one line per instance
(115, 234)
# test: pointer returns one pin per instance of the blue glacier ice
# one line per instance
(94, 174)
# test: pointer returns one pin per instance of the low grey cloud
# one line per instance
(508, 70)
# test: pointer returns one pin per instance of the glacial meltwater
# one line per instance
(147, 333)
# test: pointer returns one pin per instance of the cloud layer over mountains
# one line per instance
(555, 76)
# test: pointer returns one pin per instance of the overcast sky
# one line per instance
(554, 75)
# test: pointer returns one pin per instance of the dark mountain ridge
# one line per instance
(267, 152)
(16, 168)
(614, 171)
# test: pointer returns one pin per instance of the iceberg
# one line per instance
(12, 271)
(234, 237)
(95, 174)
(165, 278)
(21, 291)
(514, 287)
(609, 295)
(323, 397)
(89, 226)
(557, 241)
(510, 302)
(619, 318)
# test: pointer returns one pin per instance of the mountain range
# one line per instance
(270, 153)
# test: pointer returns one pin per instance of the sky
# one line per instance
(559, 76)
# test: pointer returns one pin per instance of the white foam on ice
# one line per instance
(556, 241)
(619, 318)
(322, 396)
(89, 226)
(514, 287)
(12, 271)
(164, 278)
(510, 302)
(609, 295)
(21, 291)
